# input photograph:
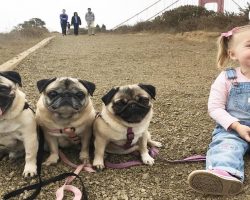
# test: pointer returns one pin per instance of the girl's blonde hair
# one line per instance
(222, 55)
(224, 43)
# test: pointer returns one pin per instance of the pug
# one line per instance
(122, 126)
(66, 114)
(18, 134)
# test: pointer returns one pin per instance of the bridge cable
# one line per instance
(163, 10)
(237, 5)
(136, 15)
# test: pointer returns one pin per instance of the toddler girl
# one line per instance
(229, 106)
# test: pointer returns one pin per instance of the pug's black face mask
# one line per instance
(132, 111)
(73, 100)
(6, 99)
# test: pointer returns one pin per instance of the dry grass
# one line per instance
(14, 43)
(198, 36)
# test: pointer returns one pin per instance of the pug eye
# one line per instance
(80, 95)
(52, 94)
(5, 89)
(143, 100)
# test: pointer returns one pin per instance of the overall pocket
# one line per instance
(241, 100)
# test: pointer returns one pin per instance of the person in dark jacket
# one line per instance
(76, 21)
(63, 21)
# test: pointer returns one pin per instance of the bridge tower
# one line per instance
(220, 4)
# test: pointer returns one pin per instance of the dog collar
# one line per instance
(130, 134)
(69, 131)
(130, 137)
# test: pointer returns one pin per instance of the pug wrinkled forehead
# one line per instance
(65, 83)
(129, 92)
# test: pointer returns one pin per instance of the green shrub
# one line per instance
(189, 18)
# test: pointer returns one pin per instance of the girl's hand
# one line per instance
(242, 130)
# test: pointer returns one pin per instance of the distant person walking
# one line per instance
(90, 19)
(68, 27)
(63, 21)
(76, 21)
(249, 17)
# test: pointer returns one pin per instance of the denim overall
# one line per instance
(227, 149)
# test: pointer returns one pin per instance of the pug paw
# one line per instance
(30, 170)
(99, 168)
(98, 165)
(51, 160)
(147, 159)
(84, 158)
(155, 144)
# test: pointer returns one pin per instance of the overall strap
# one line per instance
(231, 75)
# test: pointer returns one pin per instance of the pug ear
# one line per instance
(88, 85)
(150, 89)
(13, 76)
(42, 84)
(108, 97)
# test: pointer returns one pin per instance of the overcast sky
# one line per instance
(108, 12)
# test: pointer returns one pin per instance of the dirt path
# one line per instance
(182, 71)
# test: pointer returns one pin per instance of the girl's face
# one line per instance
(240, 48)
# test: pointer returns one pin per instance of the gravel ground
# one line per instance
(181, 67)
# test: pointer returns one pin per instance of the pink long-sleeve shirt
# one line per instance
(218, 98)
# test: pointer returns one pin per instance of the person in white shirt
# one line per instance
(90, 19)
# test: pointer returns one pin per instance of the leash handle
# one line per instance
(77, 193)
(71, 188)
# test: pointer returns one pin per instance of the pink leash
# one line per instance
(77, 193)
(153, 152)
(194, 158)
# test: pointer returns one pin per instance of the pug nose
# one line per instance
(66, 94)
(132, 105)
